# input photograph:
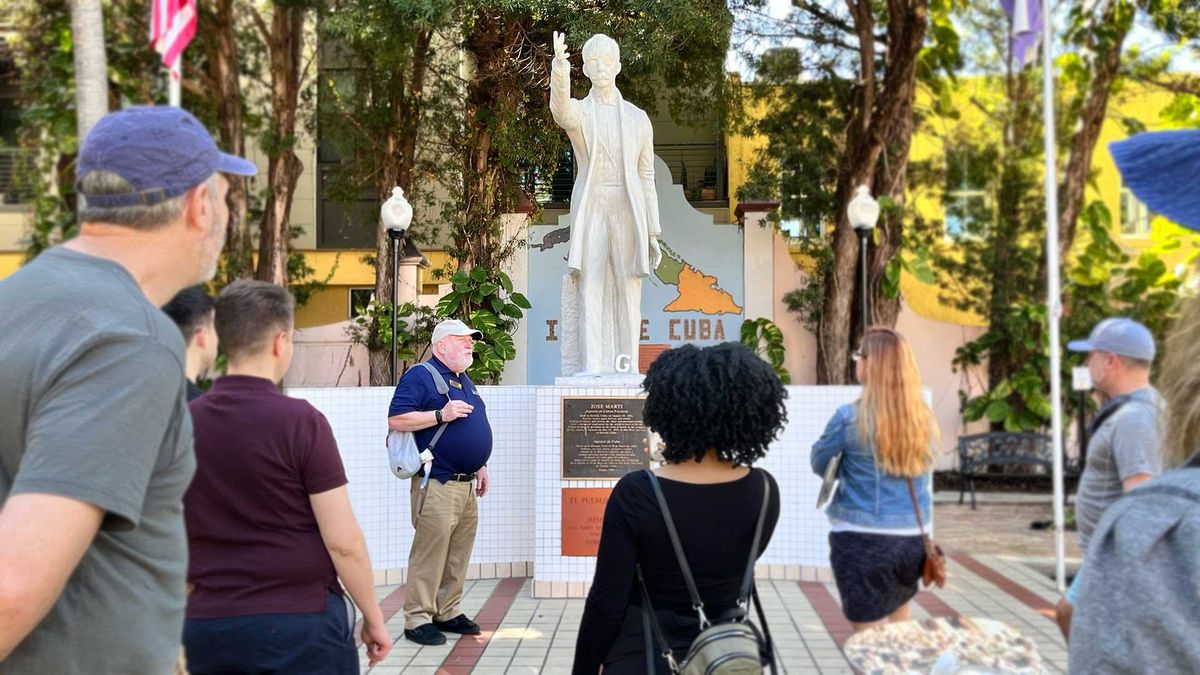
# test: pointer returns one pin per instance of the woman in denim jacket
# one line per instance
(885, 437)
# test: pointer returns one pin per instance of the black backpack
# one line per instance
(730, 645)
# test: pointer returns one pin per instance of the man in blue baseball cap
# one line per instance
(95, 437)
(1124, 436)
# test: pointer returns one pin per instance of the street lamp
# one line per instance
(396, 214)
(863, 213)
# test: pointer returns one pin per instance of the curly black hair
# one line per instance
(722, 397)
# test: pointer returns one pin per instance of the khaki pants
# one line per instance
(445, 517)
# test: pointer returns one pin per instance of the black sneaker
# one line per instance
(459, 624)
(425, 634)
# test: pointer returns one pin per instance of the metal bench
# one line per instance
(977, 452)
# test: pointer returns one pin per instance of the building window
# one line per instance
(967, 213)
(1135, 217)
(796, 229)
(359, 299)
(16, 163)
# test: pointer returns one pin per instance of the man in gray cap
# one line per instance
(95, 437)
(1124, 436)
(444, 511)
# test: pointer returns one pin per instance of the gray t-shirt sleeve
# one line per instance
(1135, 442)
(95, 432)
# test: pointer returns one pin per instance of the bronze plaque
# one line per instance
(603, 438)
(582, 518)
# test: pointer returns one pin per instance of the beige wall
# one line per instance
(14, 220)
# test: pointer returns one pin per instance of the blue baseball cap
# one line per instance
(163, 151)
(1118, 335)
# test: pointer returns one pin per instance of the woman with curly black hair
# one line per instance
(716, 409)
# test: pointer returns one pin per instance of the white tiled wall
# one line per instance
(519, 518)
(381, 501)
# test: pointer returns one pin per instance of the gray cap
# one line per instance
(1118, 335)
(453, 327)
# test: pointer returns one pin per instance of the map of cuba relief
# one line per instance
(695, 295)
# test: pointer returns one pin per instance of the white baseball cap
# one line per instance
(453, 327)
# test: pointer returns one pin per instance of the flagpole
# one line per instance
(174, 82)
(1053, 289)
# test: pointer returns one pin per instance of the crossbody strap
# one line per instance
(930, 550)
(697, 604)
(912, 492)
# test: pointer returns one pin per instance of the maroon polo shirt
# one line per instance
(255, 547)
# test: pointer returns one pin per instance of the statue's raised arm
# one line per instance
(563, 108)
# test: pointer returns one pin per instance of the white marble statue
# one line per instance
(615, 227)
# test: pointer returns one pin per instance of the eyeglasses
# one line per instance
(857, 355)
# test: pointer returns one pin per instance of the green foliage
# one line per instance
(1102, 282)
(43, 51)
(807, 300)
(765, 338)
(372, 327)
(485, 300)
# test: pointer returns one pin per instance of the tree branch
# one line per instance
(259, 23)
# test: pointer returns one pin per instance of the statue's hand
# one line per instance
(655, 253)
(560, 46)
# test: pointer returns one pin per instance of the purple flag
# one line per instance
(1026, 17)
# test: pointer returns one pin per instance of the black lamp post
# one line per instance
(863, 214)
(396, 214)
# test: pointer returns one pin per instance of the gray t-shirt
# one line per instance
(93, 407)
(1138, 609)
(1127, 443)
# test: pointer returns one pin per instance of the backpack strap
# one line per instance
(439, 382)
(697, 604)
(648, 618)
(748, 578)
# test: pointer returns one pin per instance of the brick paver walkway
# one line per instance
(527, 635)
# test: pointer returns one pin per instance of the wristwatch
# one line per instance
(438, 415)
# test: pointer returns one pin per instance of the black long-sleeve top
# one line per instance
(716, 527)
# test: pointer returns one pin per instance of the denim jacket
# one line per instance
(866, 496)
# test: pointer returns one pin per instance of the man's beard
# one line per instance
(217, 240)
(459, 364)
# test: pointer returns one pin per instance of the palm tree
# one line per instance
(91, 63)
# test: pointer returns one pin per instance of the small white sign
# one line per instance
(1081, 378)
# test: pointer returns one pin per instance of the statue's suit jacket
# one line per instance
(578, 119)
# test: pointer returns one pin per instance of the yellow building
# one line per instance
(1133, 227)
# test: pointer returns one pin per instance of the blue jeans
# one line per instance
(258, 644)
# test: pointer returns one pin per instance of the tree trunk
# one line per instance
(222, 60)
(1106, 65)
(882, 123)
(284, 40)
(403, 146)
(91, 64)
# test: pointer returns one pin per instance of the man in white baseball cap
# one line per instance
(444, 512)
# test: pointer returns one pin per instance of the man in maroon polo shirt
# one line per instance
(270, 528)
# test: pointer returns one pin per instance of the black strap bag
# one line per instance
(729, 645)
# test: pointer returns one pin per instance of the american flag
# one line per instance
(172, 26)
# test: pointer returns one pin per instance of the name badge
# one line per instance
(454, 383)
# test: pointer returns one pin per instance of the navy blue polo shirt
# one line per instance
(466, 444)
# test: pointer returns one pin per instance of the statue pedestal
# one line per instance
(601, 380)
(589, 434)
